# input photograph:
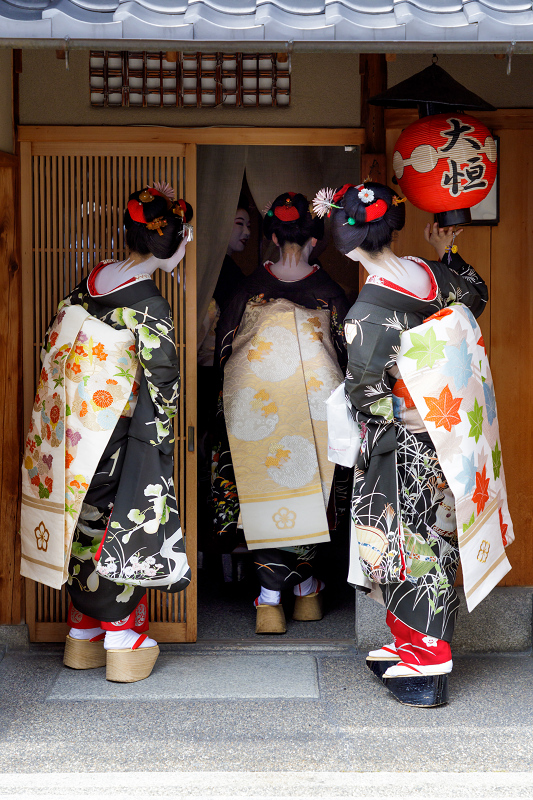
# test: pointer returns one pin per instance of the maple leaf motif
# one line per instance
(426, 349)
(496, 461)
(481, 494)
(444, 411)
(503, 528)
(476, 420)
(401, 390)
(444, 312)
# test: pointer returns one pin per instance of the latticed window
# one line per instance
(194, 80)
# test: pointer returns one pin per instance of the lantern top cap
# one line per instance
(432, 91)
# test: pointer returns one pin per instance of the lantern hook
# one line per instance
(510, 51)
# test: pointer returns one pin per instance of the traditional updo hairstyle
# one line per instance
(154, 223)
(368, 218)
(290, 219)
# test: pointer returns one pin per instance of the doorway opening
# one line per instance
(227, 582)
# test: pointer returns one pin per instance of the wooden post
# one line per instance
(373, 71)
(10, 394)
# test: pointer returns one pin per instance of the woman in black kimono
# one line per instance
(128, 535)
(397, 474)
(290, 225)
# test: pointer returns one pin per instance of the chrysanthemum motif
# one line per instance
(323, 202)
(366, 196)
(165, 189)
(267, 207)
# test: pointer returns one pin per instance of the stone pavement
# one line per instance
(288, 710)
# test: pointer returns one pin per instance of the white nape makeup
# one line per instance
(404, 272)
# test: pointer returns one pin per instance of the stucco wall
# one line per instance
(6, 123)
(484, 75)
(325, 92)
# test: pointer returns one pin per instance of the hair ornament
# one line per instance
(323, 202)
(146, 196)
(366, 196)
(180, 208)
(288, 211)
(267, 208)
(165, 189)
(156, 225)
(396, 201)
(375, 211)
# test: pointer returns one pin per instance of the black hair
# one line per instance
(140, 239)
(369, 236)
(297, 231)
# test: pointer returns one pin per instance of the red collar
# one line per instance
(373, 279)
(92, 278)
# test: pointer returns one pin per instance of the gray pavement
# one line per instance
(330, 716)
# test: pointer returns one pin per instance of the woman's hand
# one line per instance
(440, 238)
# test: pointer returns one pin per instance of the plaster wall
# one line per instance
(6, 103)
(482, 74)
(325, 92)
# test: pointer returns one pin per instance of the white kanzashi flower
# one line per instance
(323, 202)
(430, 641)
(366, 196)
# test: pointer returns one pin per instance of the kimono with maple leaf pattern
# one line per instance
(128, 536)
(402, 508)
(277, 568)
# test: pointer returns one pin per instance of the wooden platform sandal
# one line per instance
(128, 665)
(270, 619)
(309, 607)
(84, 653)
(422, 686)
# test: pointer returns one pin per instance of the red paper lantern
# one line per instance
(445, 163)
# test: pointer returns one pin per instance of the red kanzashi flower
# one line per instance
(444, 410)
(481, 494)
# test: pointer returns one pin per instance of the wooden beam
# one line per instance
(501, 119)
(160, 135)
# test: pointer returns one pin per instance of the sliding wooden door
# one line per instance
(73, 195)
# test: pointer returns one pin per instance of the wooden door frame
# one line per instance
(65, 140)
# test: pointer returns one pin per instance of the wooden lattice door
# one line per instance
(72, 199)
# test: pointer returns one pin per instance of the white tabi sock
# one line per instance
(310, 586)
(124, 640)
(268, 597)
(84, 633)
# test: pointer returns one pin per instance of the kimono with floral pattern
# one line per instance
(128, 537)
(398, 475)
